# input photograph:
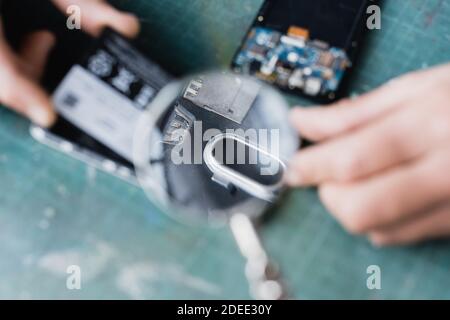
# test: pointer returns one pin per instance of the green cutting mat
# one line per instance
(55, 212)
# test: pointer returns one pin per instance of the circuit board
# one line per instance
(293, 61)
(304, 47)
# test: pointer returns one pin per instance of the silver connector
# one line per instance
(236, 175)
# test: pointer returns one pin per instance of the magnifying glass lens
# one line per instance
(213, 145)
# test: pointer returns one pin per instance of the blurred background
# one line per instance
(56, 211)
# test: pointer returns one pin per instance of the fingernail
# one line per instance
(303, 110)
(377, 242)
(295, 113)
(298, 114)
(292, 178)
(292, 181)
(41, 116)
(133, 25)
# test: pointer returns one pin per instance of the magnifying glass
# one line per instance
(212, 149)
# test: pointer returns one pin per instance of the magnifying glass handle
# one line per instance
(263, 276)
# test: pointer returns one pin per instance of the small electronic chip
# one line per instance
(178, 126)
(326, 59)
(298, 32)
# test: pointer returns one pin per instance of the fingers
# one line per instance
(34, 52)
(18, 90)
(26, 97)
(384, 143)
(395, 196)
(429, 225)
(97, 14)
(318, 124)
(20, 93)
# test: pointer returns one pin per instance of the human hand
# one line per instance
(382, 162)
(20, 71)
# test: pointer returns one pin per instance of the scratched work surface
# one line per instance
(55, 212)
